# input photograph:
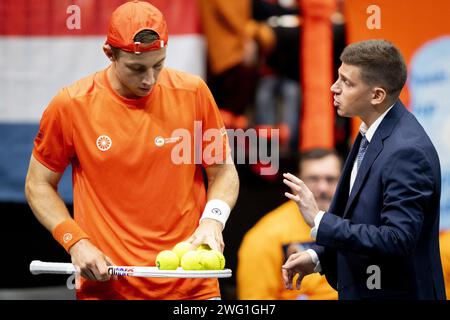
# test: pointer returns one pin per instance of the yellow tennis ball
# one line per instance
(221, 259)
(203, 246)
(210, 260)
(192, 260)
(181, 248)
(167, 260)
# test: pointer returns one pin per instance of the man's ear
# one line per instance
(109, 52)
(378, 95)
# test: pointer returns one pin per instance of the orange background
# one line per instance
(406, 23)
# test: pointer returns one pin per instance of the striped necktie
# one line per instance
(362, 151)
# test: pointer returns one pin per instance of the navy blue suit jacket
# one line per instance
(390, 219)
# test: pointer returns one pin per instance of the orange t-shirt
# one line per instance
(130, 197)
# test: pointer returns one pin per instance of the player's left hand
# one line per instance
(210, 232)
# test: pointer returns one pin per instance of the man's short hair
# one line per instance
(381, 63)
(317, 154)
(144, 36)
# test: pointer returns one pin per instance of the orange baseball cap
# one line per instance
(131, 18)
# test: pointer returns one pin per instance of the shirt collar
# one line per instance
(368, 132)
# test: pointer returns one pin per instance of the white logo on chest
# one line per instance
(104, 143)
(160, 141)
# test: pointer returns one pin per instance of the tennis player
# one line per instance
(131, 199)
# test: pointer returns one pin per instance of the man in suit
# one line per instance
(379, 238)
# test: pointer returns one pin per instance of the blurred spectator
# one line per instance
(343, 137)
(234, 42)
(277, 101)
(282, 232)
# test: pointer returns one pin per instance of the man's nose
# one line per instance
(149, 79)
(335, 88)
(323, 186)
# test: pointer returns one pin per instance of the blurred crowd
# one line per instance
(254, 54)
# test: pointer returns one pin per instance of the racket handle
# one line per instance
(39, 267)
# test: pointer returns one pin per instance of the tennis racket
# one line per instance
(40, 267)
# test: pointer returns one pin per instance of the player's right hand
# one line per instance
(90, 261)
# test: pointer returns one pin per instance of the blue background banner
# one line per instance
(16, 144)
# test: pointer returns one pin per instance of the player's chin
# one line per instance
(341, 112)
(323, 204)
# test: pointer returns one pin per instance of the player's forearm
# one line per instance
(224, 185)
(46, 203)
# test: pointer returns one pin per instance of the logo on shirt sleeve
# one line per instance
(104, 143)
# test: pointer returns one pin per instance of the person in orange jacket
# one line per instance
(283, 231)
(234, 42)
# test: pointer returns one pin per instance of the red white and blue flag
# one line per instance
(46, 45)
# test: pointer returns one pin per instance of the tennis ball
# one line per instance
(221, 259)
(181, 248)
(192, 260)
(167, 260)
(210, 260)
(203, 246)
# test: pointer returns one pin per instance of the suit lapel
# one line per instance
(373, 150)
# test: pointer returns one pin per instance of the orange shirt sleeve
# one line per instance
(53, 145)
(215, 147)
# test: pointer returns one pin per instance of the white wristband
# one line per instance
(218, 210)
